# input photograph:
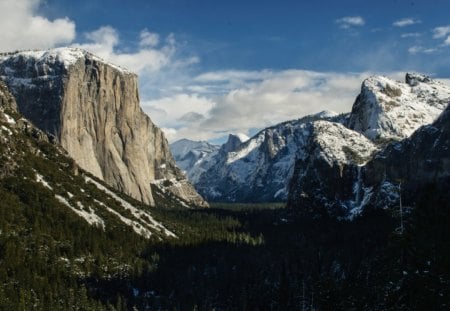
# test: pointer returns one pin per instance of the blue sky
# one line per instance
(208, 68)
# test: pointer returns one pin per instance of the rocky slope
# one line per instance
(39, 170)
(391, 110)
(418, 161)
(92, 109)
(374, 181)
(327, 176)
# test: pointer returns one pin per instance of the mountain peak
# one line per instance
(232, 143)
(387, 109)
(413, 79)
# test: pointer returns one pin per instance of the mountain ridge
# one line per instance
(384, 111)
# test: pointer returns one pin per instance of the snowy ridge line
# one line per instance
(389, 109)
(137, 227)
(66, 55)
(247, 148)
(334, 137)
(90, 217)
(144, 217)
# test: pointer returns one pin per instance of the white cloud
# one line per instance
(441, 32)
(251, 99)
(148, 39)
(447, 41)
(23, 28)
(350, 21)
(406, 22)
(104, 43)
(411, 35)
(416, 49)
(178, 110)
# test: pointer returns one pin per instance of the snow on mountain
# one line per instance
(392, 110)
(259, 169)
(191, 155)
(320, 158)
(385, 111)
(416, 162)
(91, 107)
(324, 173)
(338, 144)
(28, 157)
(63, 55)
(242, 137)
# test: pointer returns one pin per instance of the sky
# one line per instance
(210, 68)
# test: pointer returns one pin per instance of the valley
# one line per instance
(329, 211)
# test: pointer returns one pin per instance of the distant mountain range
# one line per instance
(320, 159)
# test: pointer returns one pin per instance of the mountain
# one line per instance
(92, 109)
(191, 155)
(33, 168)
(259, 169)
(405, 150)
(391, 110)
(411, 164)
(327, 173)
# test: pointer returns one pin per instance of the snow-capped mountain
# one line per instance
(344, 189)
(327, 173)
(327, 151)
(259, 169)
(391, 110)
(411, 164)
(190, 155)
(91, 107)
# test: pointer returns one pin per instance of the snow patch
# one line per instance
(7, 130)
(90, 216)
(40, 179)
(9, 119)
(144, 217)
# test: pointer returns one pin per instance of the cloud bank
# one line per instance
(252, 100)
(22, 28)
(350, 21)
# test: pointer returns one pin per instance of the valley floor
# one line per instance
(228, 257)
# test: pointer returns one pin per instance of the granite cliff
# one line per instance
(92, 109)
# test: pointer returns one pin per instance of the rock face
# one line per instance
(415, 162)
(390, 110)
(29, 160)
(92, 108)
(327, 176)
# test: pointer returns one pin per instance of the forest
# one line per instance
(247, 257)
